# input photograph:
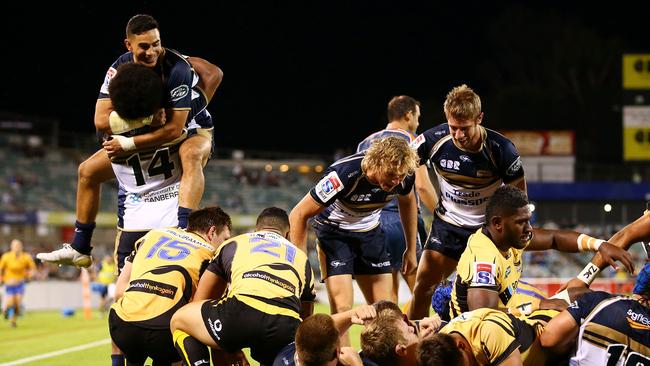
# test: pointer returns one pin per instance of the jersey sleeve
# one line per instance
(179, 86)
(580, 308)
(478, 269)
(221, 264)
(308, 293)
(510, 165)
(329, 188)
(103, 89)
(425, 142)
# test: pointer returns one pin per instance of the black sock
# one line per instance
(183, 215)
(190, 349)
(117, 360)
(82, 235)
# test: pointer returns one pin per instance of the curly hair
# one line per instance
(505, 200)
(390, 155)
(438, 349)
(136, 91)
(462, 104)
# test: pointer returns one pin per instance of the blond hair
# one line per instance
(390, 155)
(380, 336)
(462, 104)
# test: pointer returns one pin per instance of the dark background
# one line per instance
(312, 78)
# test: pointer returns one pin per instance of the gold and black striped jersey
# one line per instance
(265, 271)
(166, 265)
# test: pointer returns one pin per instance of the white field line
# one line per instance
(57, 353)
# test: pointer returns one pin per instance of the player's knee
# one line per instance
(177, 321)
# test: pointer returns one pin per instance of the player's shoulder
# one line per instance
(437, 132)
(176, 60)
(124, 58)
(496, 139)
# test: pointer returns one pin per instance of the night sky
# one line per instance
(325, 72)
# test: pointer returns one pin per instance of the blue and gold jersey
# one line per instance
(467, 179)
(614, 330)
(265, 271)
(493, 335)
(482, 265)
(365, 144)
(166, 265)
(15, 268)
(352, 202)
(181, 85)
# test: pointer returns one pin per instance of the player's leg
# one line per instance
(190, 335)
(194, 154)
(372, 265)
(433, 269)
(341, 298)
(91, 174)
(395, 244)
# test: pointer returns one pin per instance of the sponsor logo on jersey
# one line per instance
(418, 141)
(337, 264)
(484, 273)
(450, 164)
(153, 287)
(134, 198)
(107, 80)
(380, 264)
(215, 327)
(508, 270)
(179, 92)
(465, 158)
(484, 173)
(329, 186)
(637, 320)
(514, 168)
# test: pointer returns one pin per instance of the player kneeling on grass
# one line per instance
(270, 289)
(159, 277)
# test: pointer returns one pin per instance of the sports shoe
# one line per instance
(66, 256)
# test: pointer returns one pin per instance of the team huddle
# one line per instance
(190, 293)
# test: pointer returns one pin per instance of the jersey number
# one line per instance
(615, 351)
(171, 250)
(271, 248)
(159, 164)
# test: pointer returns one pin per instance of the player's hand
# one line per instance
(574, 282)
(159, 118)
(350, 357)
(409, 262)
(429, 325)
(553, 304)
(610, 253)
(363, 313)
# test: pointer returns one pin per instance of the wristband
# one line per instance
(588, 274)
(127, 143)
(587, 243)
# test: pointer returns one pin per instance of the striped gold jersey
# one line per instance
(265, 271)
(166, 265)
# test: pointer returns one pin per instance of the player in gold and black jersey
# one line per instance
(159, 277)
(270, 288)
(490, 268)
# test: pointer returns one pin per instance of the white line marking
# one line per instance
(57, 353)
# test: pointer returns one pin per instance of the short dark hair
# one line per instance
(438, 349)
(399, 106)
(505, 201)
(316, 340)
(387, 305)
(273, 217)
(201, 220)
(140, 23)
(136, 91)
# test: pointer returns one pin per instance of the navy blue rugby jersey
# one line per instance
(365, 144)
(352, 202)
(180, 81)
(614, 330)
(467, 179)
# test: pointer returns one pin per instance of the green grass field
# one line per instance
(40, 333)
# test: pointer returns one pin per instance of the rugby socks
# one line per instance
(118, 360)
(82, 235)
(183, 215)
(192, 351)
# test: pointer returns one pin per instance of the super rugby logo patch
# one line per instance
(329, 186)
(417, 142)
(484, 274)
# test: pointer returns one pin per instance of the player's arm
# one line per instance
(123, 280)
(210, 75)
(513, 360)
(408, 213)
(343, 321)
(572, 242)
(211, 286)
(306, 208)
(560, 333)
(103, 109)
(483, 298)
(425, 189)
(31, 267)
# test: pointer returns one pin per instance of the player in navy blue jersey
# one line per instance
(190, 83)
(346, 205)
(605, 329)
(470, 162)
(403, 119)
